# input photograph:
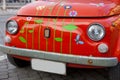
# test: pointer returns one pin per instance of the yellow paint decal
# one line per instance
(26, 38)
(40, 21)
(33, 38)
(70, 48)
(117, 23)
(62, 29)
(115, 10)
(39, 30)
(38, 8)
(50, 9)
(22, 30)
(55, 21)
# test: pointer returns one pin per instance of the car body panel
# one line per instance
(68, 22)
(62, 40)
(71, 8)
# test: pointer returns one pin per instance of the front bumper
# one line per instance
(75, 59)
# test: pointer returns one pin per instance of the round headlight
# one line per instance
(96, 32)
(12, 27)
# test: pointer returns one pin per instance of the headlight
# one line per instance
(96, 32)
(12, 27)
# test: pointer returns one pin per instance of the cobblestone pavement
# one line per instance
(10, 72)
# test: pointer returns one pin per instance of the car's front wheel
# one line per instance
(17, 62)
(114, 72)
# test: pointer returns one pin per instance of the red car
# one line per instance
(53, 34)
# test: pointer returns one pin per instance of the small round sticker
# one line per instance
(73, 13)
(29, 18)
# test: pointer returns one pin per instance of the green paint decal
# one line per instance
(22, 39)
(70, 27)
(58, 39)
(30, 31)
(39, 21)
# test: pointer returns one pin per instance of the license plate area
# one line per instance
(48, 66)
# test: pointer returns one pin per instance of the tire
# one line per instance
(114, 72)
(18, 62)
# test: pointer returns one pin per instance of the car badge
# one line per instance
(47, 33)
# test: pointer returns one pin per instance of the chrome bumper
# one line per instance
(66, 58)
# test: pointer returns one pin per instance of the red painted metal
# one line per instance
(81, 14)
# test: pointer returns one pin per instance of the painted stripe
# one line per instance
(33, 39)
(26, 35)
(51, 9)
(39, 30)
(63, 23)
(39, 41)
(56, 27)
(70, 47)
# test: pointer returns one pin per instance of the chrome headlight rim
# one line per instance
(100, 25)
(8, 26)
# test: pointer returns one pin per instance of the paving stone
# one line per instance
(44, 74)
(3, 63)
(11, 67)
(29, 79)
(13, 78)
(3, 70)
(13, 75)
(3, 73)
(12, 71)
(3, 77)
(97, 76)
(47, 78)
(3, 67)
(23, 76)
(31, 73)
(34, 76)
(57, 78)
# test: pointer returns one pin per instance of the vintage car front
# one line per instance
(60, 33)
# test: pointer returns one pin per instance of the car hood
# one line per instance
(71, 8)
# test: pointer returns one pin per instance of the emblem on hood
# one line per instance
(73, 13)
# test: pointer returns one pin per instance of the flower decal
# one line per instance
(29, 18)
(73, 13)
(40, 7)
